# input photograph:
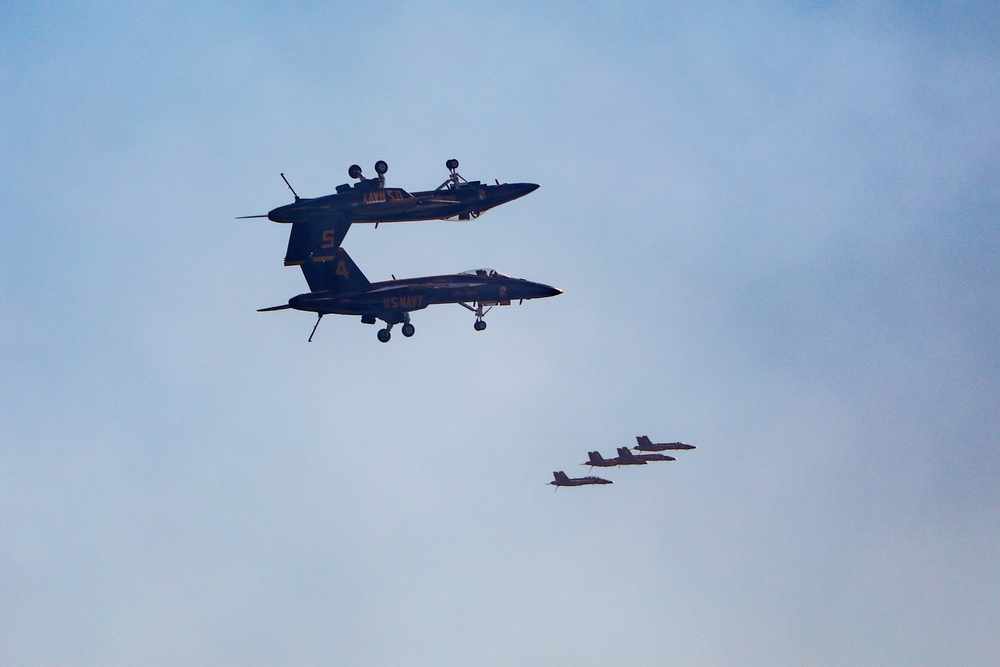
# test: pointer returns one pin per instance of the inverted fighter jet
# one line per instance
(644, 445)
(338, 287)
(561, 479)
(320, 224)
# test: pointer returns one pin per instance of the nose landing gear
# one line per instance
(480, 313)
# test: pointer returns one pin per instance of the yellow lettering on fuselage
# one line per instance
(381, 196)
(403, 302)
(374, 197)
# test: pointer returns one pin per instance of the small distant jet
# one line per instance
(597, 460)
(561, 479)
(625, 454)
(646, 446)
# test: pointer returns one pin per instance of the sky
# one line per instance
(776, 229)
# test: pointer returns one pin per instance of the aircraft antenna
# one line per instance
(290, 187)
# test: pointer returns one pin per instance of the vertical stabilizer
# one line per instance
(337, 274)
(315, 240)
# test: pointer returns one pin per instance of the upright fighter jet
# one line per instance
(625, 454)
(595, 459)
(644, 445)
(338, 287)
(562, 480)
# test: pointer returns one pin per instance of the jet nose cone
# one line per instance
(530, 290)
(516, 190)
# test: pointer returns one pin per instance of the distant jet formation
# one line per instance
(644, 445)
(626, 457)
(625, 454)
(561, 479)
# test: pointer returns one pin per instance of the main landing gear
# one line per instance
(385, 334)
(455, 179)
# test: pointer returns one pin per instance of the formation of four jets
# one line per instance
(626, 457)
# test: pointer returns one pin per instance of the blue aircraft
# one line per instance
(320, 224)
(644, 444)
(562, 479)
(337, 286)
(625, 454)
(595, 459)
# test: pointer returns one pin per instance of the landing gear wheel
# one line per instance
(480, 325)
(408, 330)
(384, 335)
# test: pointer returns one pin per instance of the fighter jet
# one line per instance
(339, 287)
(625, 454)
(320, 224)
(562, 480)
(644, 445)
(595, 459)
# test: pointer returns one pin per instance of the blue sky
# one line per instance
(776, 229)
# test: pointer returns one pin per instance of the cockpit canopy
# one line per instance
(485, 273)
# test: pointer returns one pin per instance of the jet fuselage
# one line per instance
(390, 299)
(368, 202)
(644, 444)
